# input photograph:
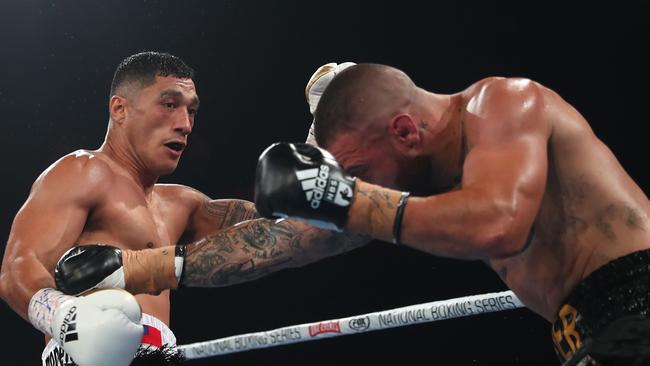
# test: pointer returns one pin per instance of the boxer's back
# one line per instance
(591, 212)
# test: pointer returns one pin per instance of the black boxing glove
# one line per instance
(86, 267)
(304, 182)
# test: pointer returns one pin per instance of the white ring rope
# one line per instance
(399, 317)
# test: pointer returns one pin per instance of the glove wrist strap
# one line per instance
(150, 271)
(42, 307)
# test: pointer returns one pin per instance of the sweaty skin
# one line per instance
(541, 199)
(110, 196)
(590, 213)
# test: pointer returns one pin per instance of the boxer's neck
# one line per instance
(125, 157)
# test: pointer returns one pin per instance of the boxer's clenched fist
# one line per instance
(304, 182)
(317, 85)
(100, 329)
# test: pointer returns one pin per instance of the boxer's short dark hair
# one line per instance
(142, 68)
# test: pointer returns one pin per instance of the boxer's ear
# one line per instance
(117, 108)
(403, 130)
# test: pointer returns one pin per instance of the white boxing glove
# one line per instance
(320, 80)
(317, 85)
(100, 329)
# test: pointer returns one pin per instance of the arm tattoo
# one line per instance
(259, 247)
(230, 212)
(634, 218)
(380, 201)
(609, 219)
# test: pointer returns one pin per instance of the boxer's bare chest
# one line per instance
(130, 218)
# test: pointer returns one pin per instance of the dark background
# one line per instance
(253, 59)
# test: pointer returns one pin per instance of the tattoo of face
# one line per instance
(258, 236)
(424, 125)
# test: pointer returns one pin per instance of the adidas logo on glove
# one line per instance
(317, 186)
(304, 182)
(68, 333)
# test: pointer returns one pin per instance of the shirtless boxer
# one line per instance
(110, 196)
(505, 171)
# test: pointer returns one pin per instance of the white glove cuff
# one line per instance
(42, 307)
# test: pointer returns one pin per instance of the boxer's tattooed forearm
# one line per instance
(256, 248)
(258, 236)
(223, 242)
(230, 212)
(245, 271)
(380, 200)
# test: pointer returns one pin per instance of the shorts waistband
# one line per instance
(618, 289)
(156, 333)
(610, 275)
(154, 326)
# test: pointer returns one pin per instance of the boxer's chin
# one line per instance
(168, 168)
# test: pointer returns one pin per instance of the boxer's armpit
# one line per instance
(256, 248)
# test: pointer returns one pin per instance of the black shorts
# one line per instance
(146, 356)
(605, 320)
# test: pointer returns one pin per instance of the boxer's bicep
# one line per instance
(213, 215)
(508, 159)
(256, 248)
(491, 215)
(513, 175)
(49, 223)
